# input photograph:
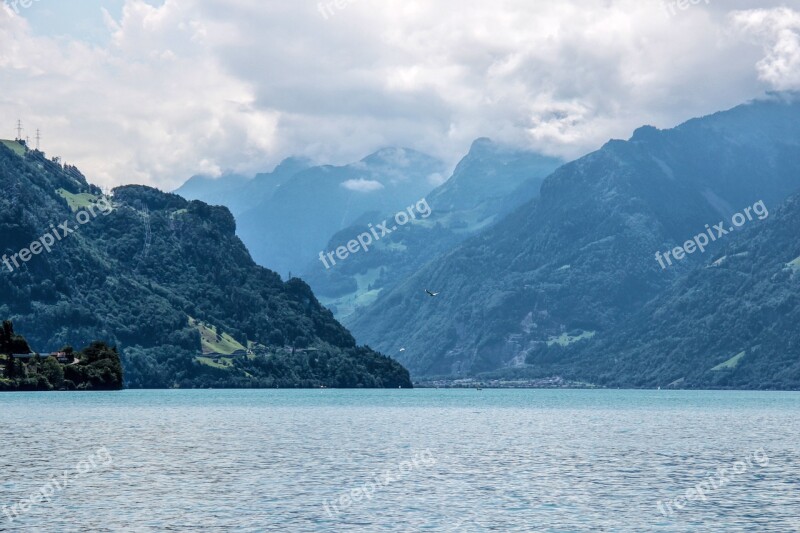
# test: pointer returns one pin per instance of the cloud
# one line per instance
(155, 106)
(778, 31)
(362, 185)
(436, 179)
(205, 86)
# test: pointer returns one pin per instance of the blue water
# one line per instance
(421, 460)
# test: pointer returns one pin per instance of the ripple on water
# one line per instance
(458, 461)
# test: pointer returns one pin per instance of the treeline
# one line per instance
(357, 367)
(96, 367)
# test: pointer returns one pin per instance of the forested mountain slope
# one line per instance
(153, 273)
(579, 261)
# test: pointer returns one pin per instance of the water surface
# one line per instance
(401, 460)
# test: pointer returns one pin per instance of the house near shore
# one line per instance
(61, 357)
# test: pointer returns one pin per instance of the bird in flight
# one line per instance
(431, 294)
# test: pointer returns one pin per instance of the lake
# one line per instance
(400, 460)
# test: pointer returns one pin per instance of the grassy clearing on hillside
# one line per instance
(213, 342)
(566, 339)
(367, 279)
(462, 221)
(14, 146)
(347, 304)
(730, 364)
(396, 247)
(223, 363)
(77, 202)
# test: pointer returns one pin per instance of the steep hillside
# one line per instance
(580, 260)
(143, 270)
(488, 183)
(730, 322)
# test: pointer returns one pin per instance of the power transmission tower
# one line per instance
(19, 130)
(38, 138)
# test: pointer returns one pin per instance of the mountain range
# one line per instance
(569, 281)
(241, 193)
(666, 260)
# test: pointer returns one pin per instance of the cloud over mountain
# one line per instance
(202, 86)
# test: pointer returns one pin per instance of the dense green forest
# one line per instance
(144, 274)
(96, 367)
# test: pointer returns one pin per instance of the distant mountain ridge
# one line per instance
(287, 216)
(288, 230)
(239, 193)
(490, 173)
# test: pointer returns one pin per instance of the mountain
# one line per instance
(578, 263)
(289, 229)
(239, 193)
(167, 282)
(224, 190)
(729, 322)
(488, 183)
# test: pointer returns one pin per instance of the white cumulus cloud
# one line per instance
(778, 30)
(362, 185)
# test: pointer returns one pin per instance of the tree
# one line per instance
(10, 342)
(5, 336)
(10, 373)
(53, 372)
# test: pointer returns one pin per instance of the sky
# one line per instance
(153, 92)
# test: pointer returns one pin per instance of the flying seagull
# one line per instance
(431, 294)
